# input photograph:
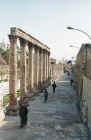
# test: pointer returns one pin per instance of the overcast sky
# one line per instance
(47, 20)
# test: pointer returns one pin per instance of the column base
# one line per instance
(12, 110)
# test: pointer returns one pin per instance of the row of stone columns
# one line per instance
(38, 68)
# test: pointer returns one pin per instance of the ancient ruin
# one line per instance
(38, 66)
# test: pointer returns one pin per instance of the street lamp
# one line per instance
(71, 28)
(72, 46)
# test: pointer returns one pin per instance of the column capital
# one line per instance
(36, 47)
(48, 53)
(30, 45)
(12, 38)
(22, 42)
(40, 50)
(44, 51)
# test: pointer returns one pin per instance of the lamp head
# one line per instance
(71, 46)
(70, 28)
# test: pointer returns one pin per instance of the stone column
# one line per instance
(48, 65)
(44, 67)
(30, 67)
(52, 71)
(23, 68)
(27, 70)
(33, 66)
(12, 75)
(40, 67)
(36, 68)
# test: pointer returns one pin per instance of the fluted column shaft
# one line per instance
(30, 67)
(40, 67)
(33, 67)
(48, 66)
(53, 71)
(23, 68)
(12, 71)
(36, 65)
(44, 67)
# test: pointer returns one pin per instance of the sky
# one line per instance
(47, 20)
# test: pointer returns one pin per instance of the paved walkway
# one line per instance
(58, 119)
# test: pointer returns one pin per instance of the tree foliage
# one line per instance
(5, 54)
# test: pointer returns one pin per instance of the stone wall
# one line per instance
(83, 64)
(83, 79)
(86, 99)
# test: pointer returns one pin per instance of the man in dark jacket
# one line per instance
(54, 86)
(45, 95)
(23, 111)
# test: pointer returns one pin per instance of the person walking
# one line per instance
(45, 95)
(71, 78)
(71, 82)
(54, 86)
(23, 111)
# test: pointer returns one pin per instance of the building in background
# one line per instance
(83, 81)
(55, 69)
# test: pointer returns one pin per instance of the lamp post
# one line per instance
(71, 28)
(72, 46)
